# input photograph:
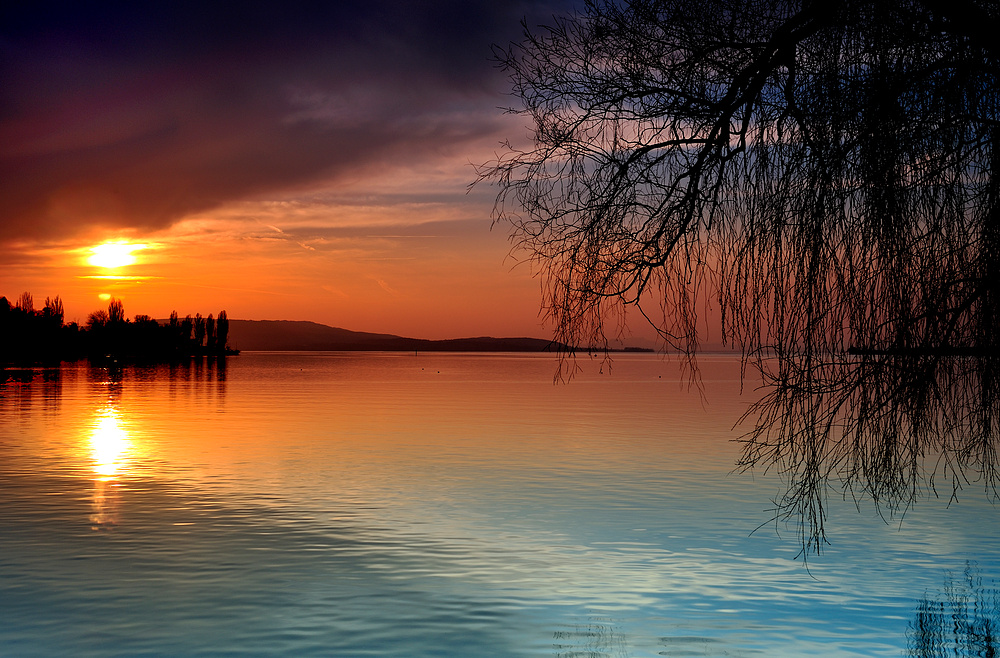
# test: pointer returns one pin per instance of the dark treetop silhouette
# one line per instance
(819, 173)
(30, 336)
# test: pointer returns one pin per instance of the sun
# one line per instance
(114, 254)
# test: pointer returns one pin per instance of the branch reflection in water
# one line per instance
(884, 427)
(841, 194)
(963, 620)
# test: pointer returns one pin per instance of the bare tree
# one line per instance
(116, 312)
(222, 328)
(821, 173)
(199, 331)
(210, 333)
(97, 319)
(187, 327)
(54, 310)
(26, 303)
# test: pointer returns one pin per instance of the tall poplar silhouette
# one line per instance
(210, 333)
(222, 331)
(199, 331)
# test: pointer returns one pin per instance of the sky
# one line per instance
(301, 161)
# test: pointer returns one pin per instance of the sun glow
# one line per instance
(111, 255)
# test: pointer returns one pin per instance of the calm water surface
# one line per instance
(354, 504)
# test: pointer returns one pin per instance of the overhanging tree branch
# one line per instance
(824, 173)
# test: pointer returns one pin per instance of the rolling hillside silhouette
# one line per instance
(294, 335)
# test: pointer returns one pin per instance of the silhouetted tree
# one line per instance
(96, 319)
(9, 334)
(822, 175)
(25, 303)
(28, 336)
(54, 310)
(199, 331)
(210, 333)
(222, 328)
(116, 312)
(187, 326)
(174, 327)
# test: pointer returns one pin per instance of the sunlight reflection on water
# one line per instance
(109, 444)
(462, 505)
(110, 448)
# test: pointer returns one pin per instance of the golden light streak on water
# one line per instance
(110, 452)
(109, 444)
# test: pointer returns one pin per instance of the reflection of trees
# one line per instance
(822, 175)
(21, 387)
(963, 621)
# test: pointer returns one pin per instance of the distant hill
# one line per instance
(295, 336)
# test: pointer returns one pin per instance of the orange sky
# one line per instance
(307, 163)
(404, 250)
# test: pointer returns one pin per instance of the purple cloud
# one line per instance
(134, 115)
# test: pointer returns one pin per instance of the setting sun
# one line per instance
(114, 254)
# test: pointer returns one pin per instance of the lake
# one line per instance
(390, 504)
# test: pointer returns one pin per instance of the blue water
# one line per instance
(432, 505)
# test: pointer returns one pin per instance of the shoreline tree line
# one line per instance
(30, 335)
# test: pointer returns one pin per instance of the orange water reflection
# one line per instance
(110, 446)
(111, 450)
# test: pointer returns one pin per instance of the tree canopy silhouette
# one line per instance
(820, 175)
(28, 336)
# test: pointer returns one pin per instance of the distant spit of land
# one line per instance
(294, 336)
(29, 336)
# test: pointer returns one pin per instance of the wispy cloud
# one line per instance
(386, 287)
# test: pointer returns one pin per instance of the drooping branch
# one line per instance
(823, 172)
